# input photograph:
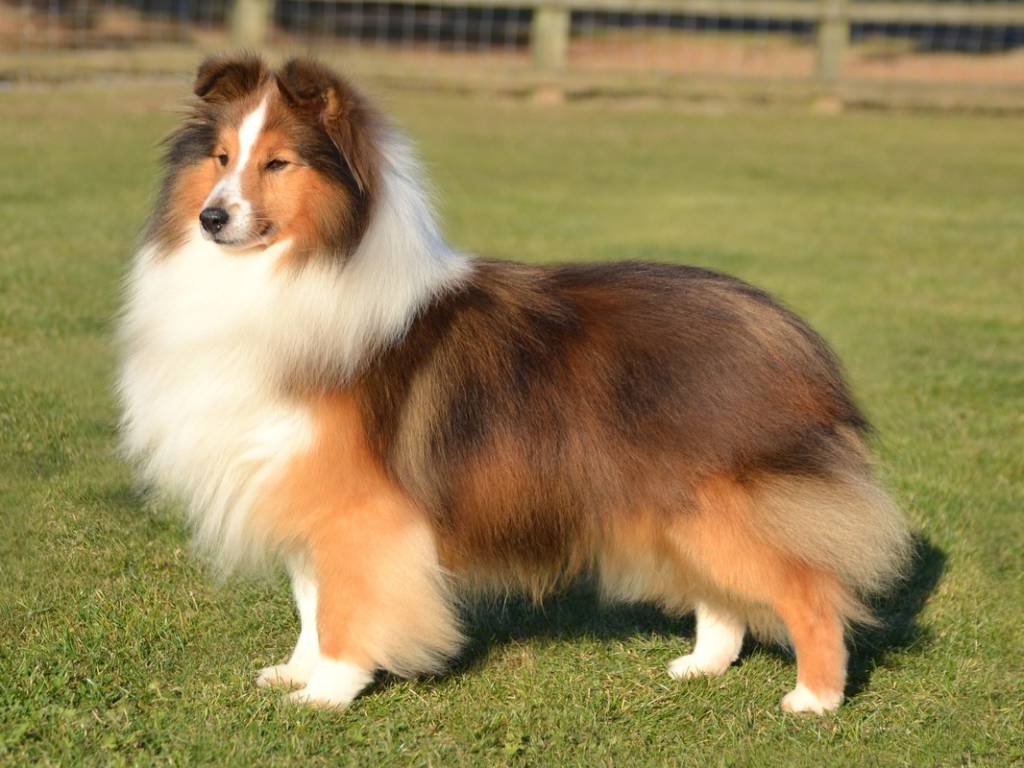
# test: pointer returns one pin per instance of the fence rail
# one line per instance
(832, 20)
(961, 51)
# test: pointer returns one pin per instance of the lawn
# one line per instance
(900, 237)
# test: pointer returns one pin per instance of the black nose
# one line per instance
(213, 219)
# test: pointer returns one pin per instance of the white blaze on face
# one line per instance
(227, 193)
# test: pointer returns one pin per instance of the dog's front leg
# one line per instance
(297, 670)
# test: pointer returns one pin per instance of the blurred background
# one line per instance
(967, 53)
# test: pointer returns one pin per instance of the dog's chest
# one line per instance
(202, 409)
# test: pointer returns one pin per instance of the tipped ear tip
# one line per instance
(293, 65)
(306, 80)
(244, 72)
(307, 68)
(203, 71)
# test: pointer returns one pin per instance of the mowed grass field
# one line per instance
(900, 237)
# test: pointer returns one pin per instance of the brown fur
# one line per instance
(555, 399)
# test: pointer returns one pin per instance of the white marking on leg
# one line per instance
(719, 640)
(333, 684)
(803, 699)
(297, 670)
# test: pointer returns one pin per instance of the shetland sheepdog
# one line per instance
(322, 379)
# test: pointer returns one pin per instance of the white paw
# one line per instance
(803, 699)
(693, 665)
(332, 684)
(284, 675)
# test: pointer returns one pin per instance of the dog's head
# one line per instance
(271, 155)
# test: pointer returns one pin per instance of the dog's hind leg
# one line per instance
(719, 640)
(810, 610)
(725, 542)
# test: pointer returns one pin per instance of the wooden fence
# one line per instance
(831, 19)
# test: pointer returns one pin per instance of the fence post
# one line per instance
(833, 38)
(549, 37)
(250, 22)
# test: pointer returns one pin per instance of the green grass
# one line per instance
(900, 237)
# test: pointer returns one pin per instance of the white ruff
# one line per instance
(210, 335)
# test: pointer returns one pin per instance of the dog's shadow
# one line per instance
(899, 629)
(579, 613)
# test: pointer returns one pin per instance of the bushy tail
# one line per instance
(843, 523)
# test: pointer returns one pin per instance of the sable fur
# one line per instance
(530, 409)
(402, 422)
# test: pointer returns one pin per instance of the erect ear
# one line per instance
(344, 114)
(223, 79)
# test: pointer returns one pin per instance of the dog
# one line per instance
(325, 382)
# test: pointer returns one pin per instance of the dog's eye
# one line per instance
(276, 165)
(222, 158)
